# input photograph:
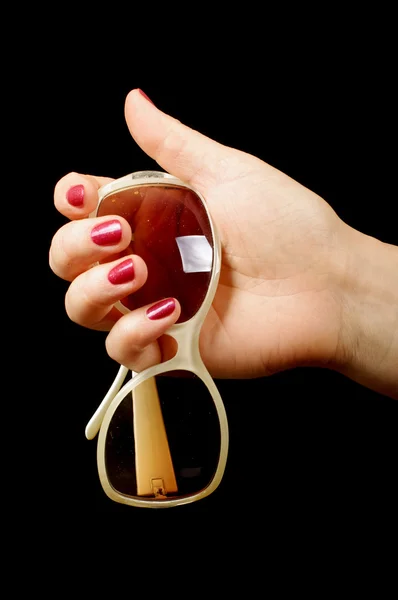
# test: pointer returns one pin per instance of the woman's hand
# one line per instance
(289, 286)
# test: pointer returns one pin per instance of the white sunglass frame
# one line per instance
(187, 358)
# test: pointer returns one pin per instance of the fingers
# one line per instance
(133, 340)
(185, 153)
(76, 196)
(77, 245)
(91, 296)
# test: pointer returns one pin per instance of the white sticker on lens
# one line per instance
(196, 253)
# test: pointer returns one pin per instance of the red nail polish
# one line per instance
(161, 309)
(75, 195)
(122, 273)
(145, 96)
(107, 234)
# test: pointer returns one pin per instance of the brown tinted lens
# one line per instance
(172, 233)
(163, 440)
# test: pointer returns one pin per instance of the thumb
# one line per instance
(178, 149)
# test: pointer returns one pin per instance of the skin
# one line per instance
(298, 286)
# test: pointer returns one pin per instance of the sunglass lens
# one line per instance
(172, 233)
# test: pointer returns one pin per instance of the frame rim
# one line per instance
(138, 178)
(202, 373)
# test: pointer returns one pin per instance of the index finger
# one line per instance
(76, 195)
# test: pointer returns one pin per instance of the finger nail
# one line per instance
(75, 195)
(161, 309)
(122, 273)
(145, 96)
(107, 234)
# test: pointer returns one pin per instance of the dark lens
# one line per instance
(163, 441)
(172, 233)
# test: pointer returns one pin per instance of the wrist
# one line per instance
(368, 351)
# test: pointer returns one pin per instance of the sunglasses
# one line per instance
(163, 436)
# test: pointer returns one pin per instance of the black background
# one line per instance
(309, 449)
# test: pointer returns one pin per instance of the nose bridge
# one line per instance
(187, 338)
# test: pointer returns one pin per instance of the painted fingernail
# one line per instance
(122, 273)
(107, 234)
(161, 309)
(75, 195)
(145, 96)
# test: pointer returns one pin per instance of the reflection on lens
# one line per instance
(172, 233)
(163, 441)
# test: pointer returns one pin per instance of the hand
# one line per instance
(282, 299)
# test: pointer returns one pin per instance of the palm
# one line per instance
(275, 291)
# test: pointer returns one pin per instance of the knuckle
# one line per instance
(60, 254)
(172, 144)
(127, 344)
